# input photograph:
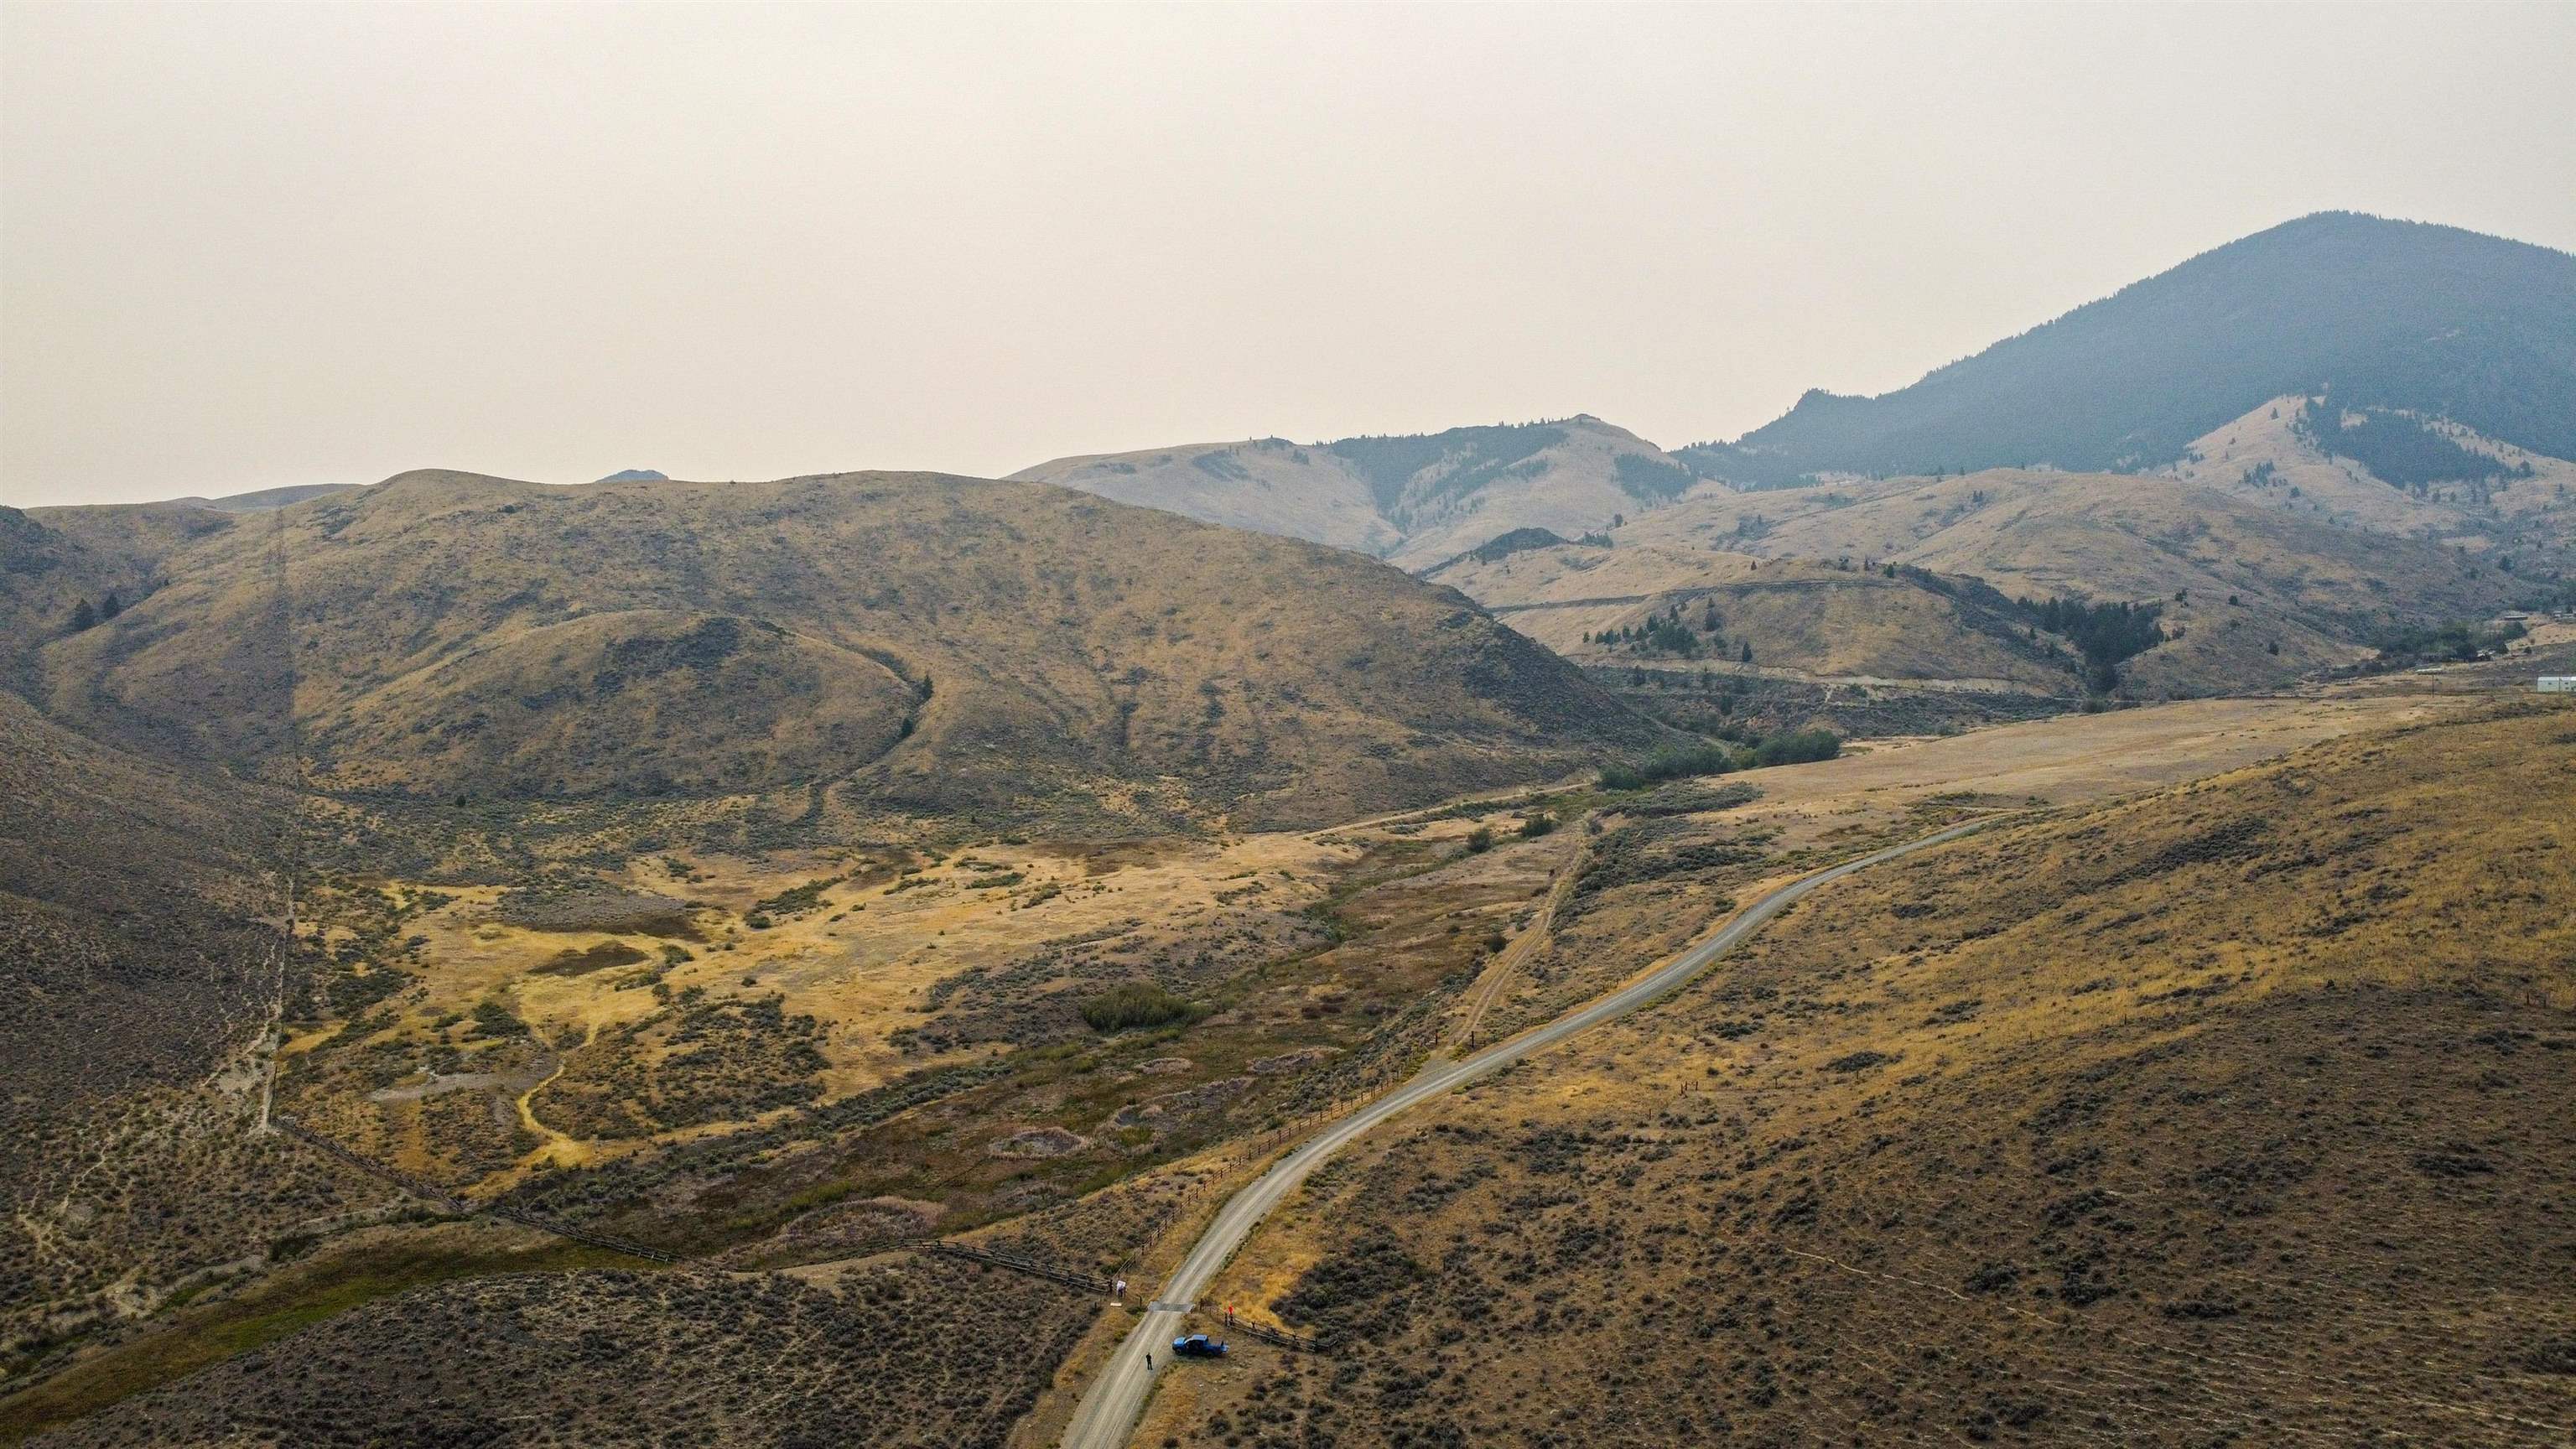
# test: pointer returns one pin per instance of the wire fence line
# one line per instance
(440, 1197)
(446, 1201)
(1015, 1262)
(1158, 1220)
(1293, 1342)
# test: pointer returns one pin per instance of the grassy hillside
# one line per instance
(809, 1053)
(2391, 314)
(261, 500)
(2251, 595)
(44, 578)
(136, 539)
(788, 1058)
(903, 643)
(2234, 1114)
(1414, 500)
(2447, 482)
(55, 560)
(1601, 605)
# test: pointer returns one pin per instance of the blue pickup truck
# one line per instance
(1197, 1345)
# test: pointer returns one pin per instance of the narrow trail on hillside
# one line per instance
(281, 624)
(1109, 1408)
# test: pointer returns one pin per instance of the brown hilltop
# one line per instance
(1414, 500)
(924, 643)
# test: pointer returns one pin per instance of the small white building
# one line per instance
(2558, 684)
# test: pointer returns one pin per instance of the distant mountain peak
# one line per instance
(2401, 315)
(637, 475)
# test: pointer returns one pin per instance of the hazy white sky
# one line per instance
(243, 246)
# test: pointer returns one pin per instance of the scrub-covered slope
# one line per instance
(2248, 595)
(2236, 1114)
(1678, 607)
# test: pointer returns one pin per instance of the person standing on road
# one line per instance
(1149, 1361)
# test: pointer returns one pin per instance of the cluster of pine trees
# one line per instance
(2403, 451)
(2105, 634)
(87, 615)
(1668, 632)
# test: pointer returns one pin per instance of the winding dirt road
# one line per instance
(1108, 1410)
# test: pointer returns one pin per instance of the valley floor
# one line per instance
(896, 1047)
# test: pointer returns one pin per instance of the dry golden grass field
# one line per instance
(476, 1035)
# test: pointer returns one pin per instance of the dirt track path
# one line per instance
(1507, 962)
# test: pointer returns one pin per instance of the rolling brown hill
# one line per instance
(261, 500)
(43, 577)
(2307, 594)
(915, 644)
(1798, 615)
(1414, 501)
(2321, 554)
(877, 650)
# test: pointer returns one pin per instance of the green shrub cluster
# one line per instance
(1788, 747)
(2105, 634)
(494, 1018)
(1670, 763)
(796, 899)
(2458, 640)
(1797, 747)
(1138, 1003)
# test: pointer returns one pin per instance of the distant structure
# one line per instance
(637, 475)
(2558, 684)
